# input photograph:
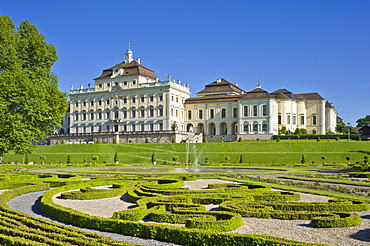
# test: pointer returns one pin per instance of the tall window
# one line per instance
(108, 101)
(116, 114)
(91, 116)
(189, 115)
(151, 127)
(99, 115)
(107, 115)
(133, 113)
(125, 114)
(293, 119)
(212, 113)
(171, 111)
(160, 97)
(279, 119)
(160, 111)
(84, 116)
(133, 100)
(264, 110)
(84, 103)
(100, 102)
(161, 126)
(76, 117)
(142, 98)
(151, 112)
(246, 111)
(142, 112)
(142, 127)
(223, 113)
(125, 100)
(255, 127)
(314, 120)
(133, 128)
(235, 112)
(76, 104)
(302, 119)
(200, 114)
(255, 110)
(246, 128)
(91, 103)
(264, 127)
(151, 98)
(288, 119)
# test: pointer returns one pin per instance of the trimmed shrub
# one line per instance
(336, 220)
(116, 157)
(154, 159)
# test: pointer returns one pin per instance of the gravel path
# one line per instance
(291, 229)
(29, 204)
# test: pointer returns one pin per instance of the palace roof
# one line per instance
(132, 68)
(221, 86)
(256, 93)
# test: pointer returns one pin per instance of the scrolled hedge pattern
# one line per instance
(321, 214)
(154, 203)
(18, 229)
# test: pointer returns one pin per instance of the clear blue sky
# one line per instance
(305, 45)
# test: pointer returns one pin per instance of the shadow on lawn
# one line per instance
(361, 151)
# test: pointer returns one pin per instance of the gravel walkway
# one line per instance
(291, 229)
(29, 204)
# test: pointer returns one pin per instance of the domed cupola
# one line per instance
(129, 54)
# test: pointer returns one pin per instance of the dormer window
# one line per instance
(117, 71)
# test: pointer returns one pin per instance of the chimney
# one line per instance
(218, 81)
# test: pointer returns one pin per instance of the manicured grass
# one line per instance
(253, 152)
(337, 180)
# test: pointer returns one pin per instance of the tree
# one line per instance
(303, 160)
(363, 121)
(300, 131)
(31, 105)
(154, 159)
(343, 128)
(283, 130)
(116, 157)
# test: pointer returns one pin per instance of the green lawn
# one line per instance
(259, 153)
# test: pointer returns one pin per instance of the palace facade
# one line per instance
(129, 104)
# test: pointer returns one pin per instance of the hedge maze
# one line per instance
(162, 199)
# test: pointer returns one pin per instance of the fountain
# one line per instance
(193, 150)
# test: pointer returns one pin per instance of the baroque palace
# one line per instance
(129, 104)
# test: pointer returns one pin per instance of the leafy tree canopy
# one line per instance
(343, 128)
(363, 121)
(31, 105)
